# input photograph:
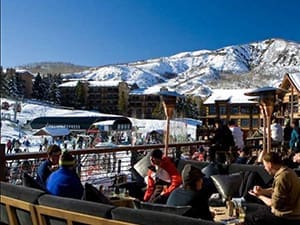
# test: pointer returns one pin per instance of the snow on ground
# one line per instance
(33, 109)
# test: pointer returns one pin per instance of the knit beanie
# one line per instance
(66, 159)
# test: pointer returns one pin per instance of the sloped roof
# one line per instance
(295, 78)
(230, 95)
(52, 131)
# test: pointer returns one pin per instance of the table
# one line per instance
(124, 201)
(221, 216)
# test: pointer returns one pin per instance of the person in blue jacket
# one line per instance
(49, 165)
(65, 182)
(295, 138)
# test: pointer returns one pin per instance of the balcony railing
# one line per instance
(94, 165)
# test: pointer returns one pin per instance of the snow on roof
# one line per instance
(18, 71)
(92, 84)
(154, 90)
(105, 122)
(231, 95)
(53, 131)
(295, 77)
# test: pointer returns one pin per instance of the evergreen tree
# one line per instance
(158, 112)
(187, 107)
(122, 104)
(20, 87)
(37, 91)
(79, 95)
(54, 93)
(13, 87)
(3, 84)
(45, 85)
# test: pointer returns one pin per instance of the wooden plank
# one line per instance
(70, 217)
(12, 204)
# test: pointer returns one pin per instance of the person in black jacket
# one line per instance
(222, 142)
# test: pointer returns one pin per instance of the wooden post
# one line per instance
(169, 109)
(2, 163)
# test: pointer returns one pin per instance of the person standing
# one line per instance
(237, 134)
(282, 200)
(276, 133)
(162, 178)
(49, 165)
(9, 146)
(222, 142)
(65, 182)
(295, 139)
(287, 132)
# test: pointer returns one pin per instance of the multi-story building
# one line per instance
(228, 104)
(103, 96)
(142, 104)
(290, 105)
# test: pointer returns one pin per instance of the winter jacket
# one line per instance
(174, 176)
(66, 183)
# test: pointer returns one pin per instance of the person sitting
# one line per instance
(282, 200)
(65, 182)
(243, 156)
(192, 193)
(49, 165)
(162, 178)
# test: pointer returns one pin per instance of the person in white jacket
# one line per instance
(276, 132)
(237, 134)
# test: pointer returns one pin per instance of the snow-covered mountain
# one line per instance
(243, 66)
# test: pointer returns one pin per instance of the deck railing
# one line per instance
(94, 165)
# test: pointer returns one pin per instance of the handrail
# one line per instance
(38, 155)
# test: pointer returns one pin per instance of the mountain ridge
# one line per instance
(252, 65)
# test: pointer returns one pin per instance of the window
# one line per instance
(255, 123)
(245, 110)
(234, 110)
(245, 123)
(255, 110)
(223, 110)
(212, 110)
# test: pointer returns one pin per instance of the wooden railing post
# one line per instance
(2, 163)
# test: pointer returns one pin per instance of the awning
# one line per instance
(53, 131)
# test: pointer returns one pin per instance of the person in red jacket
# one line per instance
(162, 178)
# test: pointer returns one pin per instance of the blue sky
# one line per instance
(100, 32)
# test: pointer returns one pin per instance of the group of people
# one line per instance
(227, 143)
(57, 174)
(165, 185)
(280, 203)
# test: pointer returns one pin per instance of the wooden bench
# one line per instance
(44, 213)
(12, 205)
